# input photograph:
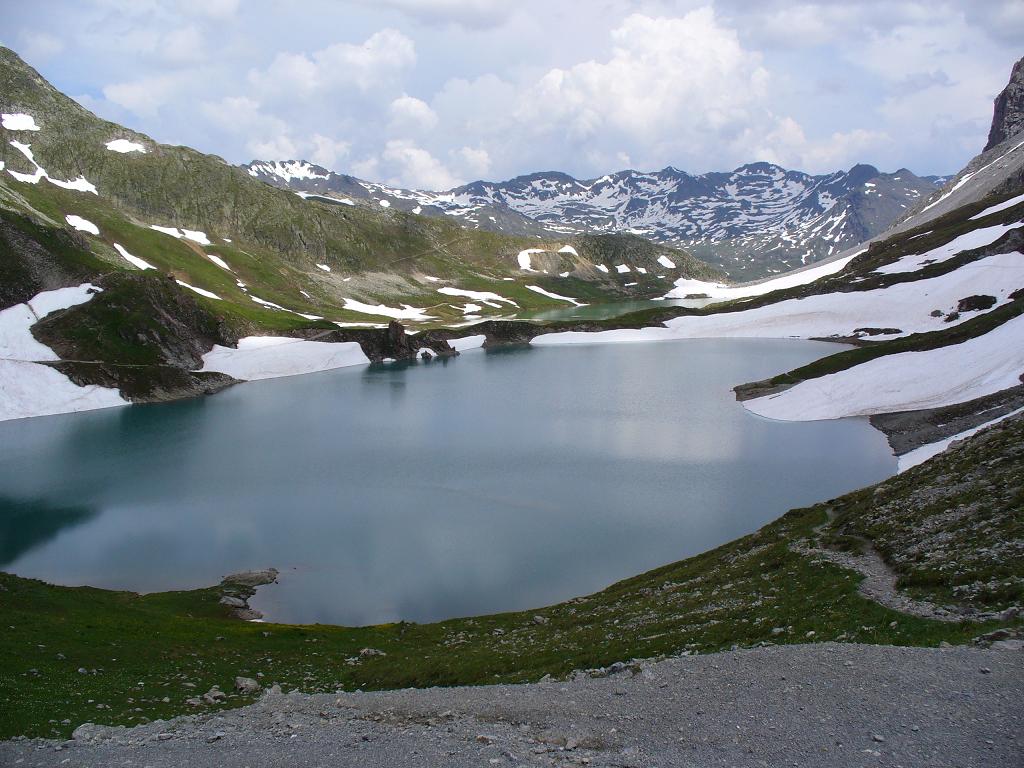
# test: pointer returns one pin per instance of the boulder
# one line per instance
(246, 685)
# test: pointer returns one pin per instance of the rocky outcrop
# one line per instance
(1008, 114)
(236, 590)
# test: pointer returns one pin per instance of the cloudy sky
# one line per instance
(433, 93)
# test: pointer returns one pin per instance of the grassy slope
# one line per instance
(277, 238)
(753, 590)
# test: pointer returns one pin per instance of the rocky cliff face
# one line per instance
(1008, 115)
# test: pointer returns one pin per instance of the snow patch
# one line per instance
(468, 342)
(405, 313)
(525, 260)
(172, 231)
(79, 185)
(82, 225)
(200, 291)
(17, 341)
(542, 292)
(999, 207)
(685, 287)
(189, 234)
(324, 267)
(602, 268)
(485, 297)
(218, 261)
(19, 121)
(267, 357)
(29, 389)
(976, 238)
(196, 236)
(134, 260)
(568, 249)
(621, 269)
(666, 262)
(123, 146)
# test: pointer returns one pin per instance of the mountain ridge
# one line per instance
(756, 220)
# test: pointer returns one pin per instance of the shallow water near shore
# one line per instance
(494, 481)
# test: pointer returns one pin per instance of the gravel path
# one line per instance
(814, 705)
(879, 583)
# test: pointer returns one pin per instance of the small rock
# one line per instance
(214, 696)
(368, 652)
(985, 670)
(878, 737)
(85, 731)
(233, 602)
(194, 701)
(246, 685)
(483, 738)
(216, 736)
(538, 619)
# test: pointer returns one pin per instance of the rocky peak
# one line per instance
(1008, 114)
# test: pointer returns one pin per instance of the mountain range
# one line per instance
(754, 221)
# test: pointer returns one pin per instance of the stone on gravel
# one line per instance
(246, 685)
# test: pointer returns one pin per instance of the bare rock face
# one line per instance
(1008, 116)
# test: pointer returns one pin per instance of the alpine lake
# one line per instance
(494, 481)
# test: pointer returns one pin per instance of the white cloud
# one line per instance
(681, 82)
(787, 145)
(411, 114)
(216, 9)
(476, 162)
(327, 151)
(412, 166)
(509, 88)
(146, 96)
(371, 64)
(476, 14)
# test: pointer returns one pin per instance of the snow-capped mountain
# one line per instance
(755, 220)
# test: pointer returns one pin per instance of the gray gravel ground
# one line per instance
(832, 705)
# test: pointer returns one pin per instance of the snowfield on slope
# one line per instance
(685, 287)
(906, 306)
(976, 238)
(267, 357)
(907, 381)
(17, 341)
(30, 389)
